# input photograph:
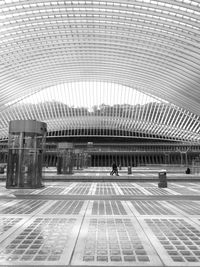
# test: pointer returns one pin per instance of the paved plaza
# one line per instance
(101, 224)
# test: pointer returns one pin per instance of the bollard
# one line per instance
(129, 170)
(162, 175)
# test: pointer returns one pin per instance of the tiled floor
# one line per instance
(101, 224)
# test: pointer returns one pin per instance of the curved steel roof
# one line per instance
(151, 46)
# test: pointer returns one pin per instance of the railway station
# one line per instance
(100, 133)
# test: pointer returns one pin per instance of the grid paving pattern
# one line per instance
(22, 207)
(53, 227)
(186, 191)
(80, 189)
(188, 207)
(40, 240)
(7, 202)
(158, 191)
(107, 189)
(101, 207)
(149, 207)
(131, 191)
(7, 223)
(65, 207)
(51, 191)
(113, 241)
(178, 239)
(112, 188)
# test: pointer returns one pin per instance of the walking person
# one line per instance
(114, 169)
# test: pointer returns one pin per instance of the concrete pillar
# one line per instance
(159, 157)
(95, 161)
(101, 160)
(120, 160)
(20, 181)
(134, 160)
(54, 160)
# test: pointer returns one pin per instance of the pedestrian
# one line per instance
(114, 169)
(187, 171)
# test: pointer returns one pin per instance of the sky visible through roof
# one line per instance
(90, 94)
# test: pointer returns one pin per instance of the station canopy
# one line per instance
(127, 68)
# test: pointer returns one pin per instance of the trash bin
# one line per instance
(162, 175)
(129, 170)
(188, 171)
(1, 169)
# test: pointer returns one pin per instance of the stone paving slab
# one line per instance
(66, 207)
(7, 203)
(112, 189)
(186, 208)
(96, 224)
(9, 224)
(113, 242)
(41, 241)
(150, 207)
(176, 240)
(108, 208)
(24, 207)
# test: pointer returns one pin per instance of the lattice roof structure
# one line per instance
(124, 49)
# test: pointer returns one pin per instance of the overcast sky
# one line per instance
(88, 94)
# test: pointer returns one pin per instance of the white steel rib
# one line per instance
(97, 49)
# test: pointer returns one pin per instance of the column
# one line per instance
(19, 173)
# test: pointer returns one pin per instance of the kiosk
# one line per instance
(25, 153)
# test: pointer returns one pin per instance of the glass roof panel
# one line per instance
(148, 45)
